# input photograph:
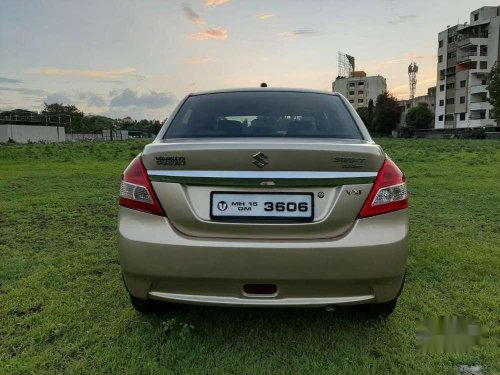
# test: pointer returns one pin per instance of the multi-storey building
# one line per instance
(466, 54)
(359, 89)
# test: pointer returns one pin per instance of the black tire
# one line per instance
(144, 306)
(382, 309)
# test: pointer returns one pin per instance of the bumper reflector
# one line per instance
(260, 289)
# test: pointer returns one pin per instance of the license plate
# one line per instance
(261, 206)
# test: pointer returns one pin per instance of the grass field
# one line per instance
(63, 308)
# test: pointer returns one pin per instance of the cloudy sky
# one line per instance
(139, 58)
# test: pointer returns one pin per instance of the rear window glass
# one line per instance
(263, 114)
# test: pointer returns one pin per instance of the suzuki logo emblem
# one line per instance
(260, 159)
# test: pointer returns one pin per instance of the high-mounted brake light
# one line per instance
(136, 191)
(388, 192)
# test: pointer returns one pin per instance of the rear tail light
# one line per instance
(136, 191)
(388, 192)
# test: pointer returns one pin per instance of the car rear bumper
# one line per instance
(365, 265)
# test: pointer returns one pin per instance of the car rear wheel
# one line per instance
(384, 308)
(148, 306)
(381, 309)
(144, 306)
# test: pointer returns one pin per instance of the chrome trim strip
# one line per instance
(252, 301)
(260, 174)
(260, 178)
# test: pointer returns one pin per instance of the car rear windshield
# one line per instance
(263, 114)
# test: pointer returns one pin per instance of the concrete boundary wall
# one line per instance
(83, 137)
(118, 135)
(31, 133)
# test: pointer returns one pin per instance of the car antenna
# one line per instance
(263, 84)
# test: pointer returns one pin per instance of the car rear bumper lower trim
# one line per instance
(263, 301)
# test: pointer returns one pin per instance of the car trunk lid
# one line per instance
(338, 173)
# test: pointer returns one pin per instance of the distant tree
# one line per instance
(21, 117)
(95, 124)
(494, 89)
(144, 125)
(60, 108)
(363, 113)
(67, 112)
(419, 117)
(155, 126)
(386, 114)
(80, 122)
(369, 118)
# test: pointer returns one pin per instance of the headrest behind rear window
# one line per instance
(230, 127)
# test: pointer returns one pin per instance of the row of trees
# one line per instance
(494, 89)
(384, 116)
(78, 122)
(419, 117)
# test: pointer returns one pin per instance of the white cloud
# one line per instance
(265, 16)
(57, 98)
(402, 19)
(109, 74)
(214, 3)
(96, 101)
(25, 91)
(9, 80)
(197, 60)
(214, 33)
(299, 32)
(152, 100)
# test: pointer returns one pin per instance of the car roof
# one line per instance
(264, 89)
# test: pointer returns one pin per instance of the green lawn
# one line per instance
(63, 308)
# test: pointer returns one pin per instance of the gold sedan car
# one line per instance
(264, 197)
